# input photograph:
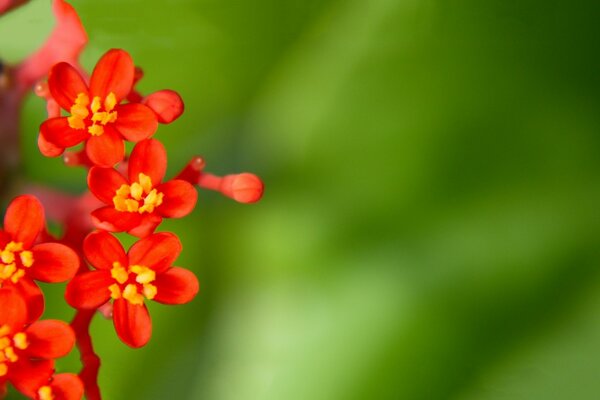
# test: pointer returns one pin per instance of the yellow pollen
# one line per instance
(110, 102)
(119, 273)
(96, 130)
(13, 259)
(9, 352)
(17, 276)
(45, 393)
(115, 291)
(125, 288)
(4, 330)
(138, 197)
(7, 256)
(149, 291)
(95, 107)
(144, 274)
(80, 113)
(131, 294)
(26, 258)
(20, 341)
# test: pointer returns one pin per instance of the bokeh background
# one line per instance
(430, 227)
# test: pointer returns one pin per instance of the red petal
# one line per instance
(24, 219)
(107, 149)
(104, 182)
(28, 376)
(109, 219)
(53, 262)
(147, 225)
(166, 104)
(89, 290)
(13, 309)
(148, 157)
(4, 238)
(157, 251)
(65, 43)
(33, 296)
(67, 387)
(49, 339)
(113, 73)
(102, 249)
(132, 323)
(179, 200)
(58, 132)
(48, 149)
(176, 286)
(65, 84)
(135, 122)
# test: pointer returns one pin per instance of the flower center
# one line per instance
(45, 393)
(8, 345)
(138, 197)
(14, 260)
(133, 284)
(80, 112)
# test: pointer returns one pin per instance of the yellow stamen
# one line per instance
(137, 191)
(146, 182)
(17, 276)
(4, 330)
(4, 343)
(45, 393)
(9, 352)
(138, 197)
(96, 130)
(131, 294)
(80, 112)
(3, 369)
(119, 273)
(10, 268)
(26, 258)
(144, 274)
(150, 291)
(20, 341)
(110, 102)
(96, 104)
(115, 291)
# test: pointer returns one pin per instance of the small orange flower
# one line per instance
(97, 116)
(129, 279)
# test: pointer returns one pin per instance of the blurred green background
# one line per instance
(430, 227)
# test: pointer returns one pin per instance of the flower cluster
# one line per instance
(90, 118)
(28, 346)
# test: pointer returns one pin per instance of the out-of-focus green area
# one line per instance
(430, 227)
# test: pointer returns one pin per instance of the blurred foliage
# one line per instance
(430, 228)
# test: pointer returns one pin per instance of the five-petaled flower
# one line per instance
(138, 204)
(27, 352)
(97, 116)
(22, 261)
(145, 272)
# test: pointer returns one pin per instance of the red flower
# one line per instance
(27, 353)
(145, 272)
(21, 261)
(96, 115)
(61, 387)
(138, 204)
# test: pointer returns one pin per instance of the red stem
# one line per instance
(89, 359)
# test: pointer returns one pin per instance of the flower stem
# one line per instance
(89, 359)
